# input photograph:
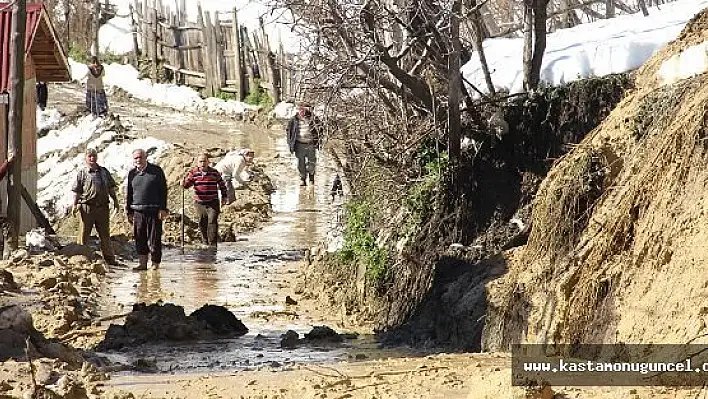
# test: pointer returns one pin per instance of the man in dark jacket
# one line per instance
(303, 132)
(146, 208)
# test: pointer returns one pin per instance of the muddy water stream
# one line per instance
(249, 277)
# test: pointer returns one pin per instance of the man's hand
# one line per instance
(162, 214)
(11, 159)
(74, 209)
(130, 217)
(224, 201)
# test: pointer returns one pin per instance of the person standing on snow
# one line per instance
(303, 134)
(96, 101)
(207, 183)
(146, 208)
(236, 167)
(92, 188)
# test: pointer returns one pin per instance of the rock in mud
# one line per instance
(323, 334)
(220, 320)
(7, 281)
(76, 249)
(168, 322)
(16, 328)
(289, 340)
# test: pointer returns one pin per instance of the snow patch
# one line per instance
(595, 49)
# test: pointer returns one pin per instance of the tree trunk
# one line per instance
(454, 88)
(528, 43)
(539, 48)
(609, 9)
(17, 82)
(565, 18)
(534, 41)
(643, 7)
(477, 25)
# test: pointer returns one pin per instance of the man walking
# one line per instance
(303, 133)
(146, 208)
(92, 188)
(207, 183)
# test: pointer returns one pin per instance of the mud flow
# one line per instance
(250, 277)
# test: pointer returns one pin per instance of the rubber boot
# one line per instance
(143, 263)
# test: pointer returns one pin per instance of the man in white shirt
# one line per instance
(236, 166)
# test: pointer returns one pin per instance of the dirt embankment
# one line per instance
(437, 295)
(617, 252)
(48, 307)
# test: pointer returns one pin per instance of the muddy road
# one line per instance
(250, 277)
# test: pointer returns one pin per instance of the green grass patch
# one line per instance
(419, 201)
(360, 244)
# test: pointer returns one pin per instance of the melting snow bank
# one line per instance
(60, 154)
(688, 63)
(600, 48)
(181, 98)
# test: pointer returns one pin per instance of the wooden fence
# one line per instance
(215, 53)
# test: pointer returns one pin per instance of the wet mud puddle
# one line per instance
(249, 278)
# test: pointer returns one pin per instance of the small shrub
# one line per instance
(360, 244)
(225, 95)
(78, 53)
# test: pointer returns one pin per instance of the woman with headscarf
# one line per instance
(96, 101)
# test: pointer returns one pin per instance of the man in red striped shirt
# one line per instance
(207, 183)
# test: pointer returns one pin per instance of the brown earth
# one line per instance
(622, 261)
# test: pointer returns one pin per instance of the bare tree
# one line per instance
(534, 41)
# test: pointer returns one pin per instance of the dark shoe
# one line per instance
(303, 183)
(312, 177)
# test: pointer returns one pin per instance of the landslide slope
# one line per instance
(618, 251)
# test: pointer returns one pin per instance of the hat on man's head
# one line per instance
(246, 151)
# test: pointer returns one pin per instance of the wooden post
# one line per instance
(284, 82)
(218, 53)
(134, 27)
(206, 48)
(454, 85)
(143, 15)
(240, 92)
(153, 37)
(96, 26)
(272, 71)
(17, 82)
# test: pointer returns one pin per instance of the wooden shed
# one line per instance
(46, 61)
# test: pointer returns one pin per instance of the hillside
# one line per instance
(619, 225)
